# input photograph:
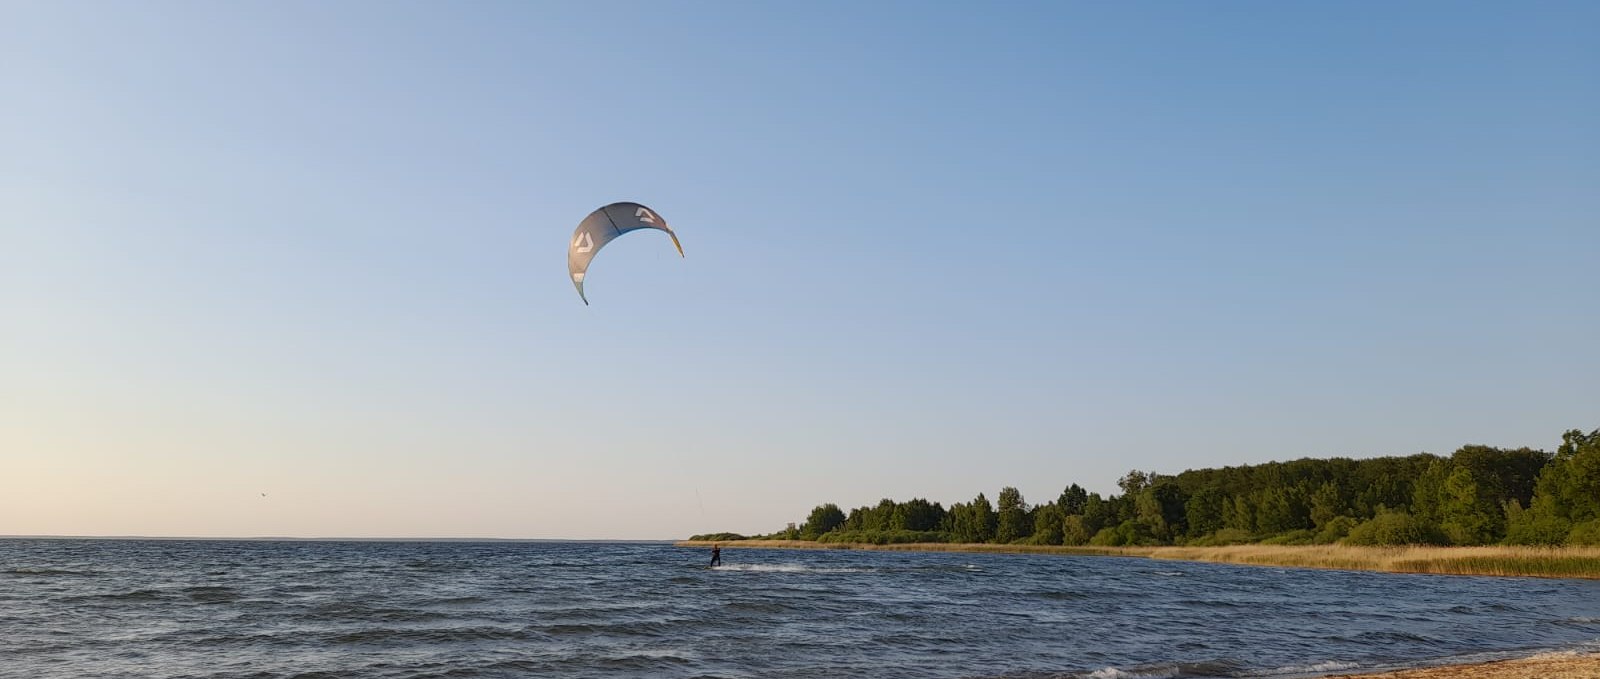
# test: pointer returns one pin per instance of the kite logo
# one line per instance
(584, 243)
(645, 215)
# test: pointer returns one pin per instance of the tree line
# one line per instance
(1477, 496)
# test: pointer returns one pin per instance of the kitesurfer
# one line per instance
(716, 555)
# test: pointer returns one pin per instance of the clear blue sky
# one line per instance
(315, 250)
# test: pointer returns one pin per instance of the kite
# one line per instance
(604, 225)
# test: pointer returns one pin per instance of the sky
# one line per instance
(296, 268)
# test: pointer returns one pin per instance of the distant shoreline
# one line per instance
(324, 539)
(1542, 562)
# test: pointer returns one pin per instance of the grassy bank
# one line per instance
(1544, 562)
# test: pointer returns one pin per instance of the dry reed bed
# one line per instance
(1547, 562)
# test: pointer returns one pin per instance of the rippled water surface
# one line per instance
(358, 610)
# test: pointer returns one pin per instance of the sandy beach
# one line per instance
(1571, 665)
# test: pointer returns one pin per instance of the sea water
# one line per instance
(365, 610)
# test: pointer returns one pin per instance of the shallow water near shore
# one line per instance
(258, 609)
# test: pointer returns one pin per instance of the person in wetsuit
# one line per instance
(716, 555)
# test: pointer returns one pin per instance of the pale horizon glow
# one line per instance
(297, 269)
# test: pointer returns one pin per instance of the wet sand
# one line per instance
(1571, 665)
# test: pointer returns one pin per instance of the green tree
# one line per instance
(1012, 521)
(1392, 528)
(1566, 493)
(983, 518)
(1586, 533)
(1073, 499)
(1048, 520)
(1204, 511)
(1074, 530)
(973, 522)
(1326, 504)
(1160, 509)
(1502, 474)
(1427, 492)
(1579, 481)
(920, 515)
(823, 519)
(1468, 513)
(1097, 514)
(1538, 525)
(1127, 533)
(1274, 512)
(1133, 482)
(1240, 514)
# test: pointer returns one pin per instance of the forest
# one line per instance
(1479, 495)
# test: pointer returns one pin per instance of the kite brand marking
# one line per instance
(645, 215)
(584, 243)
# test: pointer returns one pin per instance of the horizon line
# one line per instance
(285, 538)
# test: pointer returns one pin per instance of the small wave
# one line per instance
(516, 667)
(420, 636)
(458, 601)
(651, 662)
(1566, 653)
(432, 566)
(1313, 668)
(756, 606)
(1114, 673)
(136, 595)
(1211, 668)
(346, 610)
(787, 568)
(1212, 603)
(1388, 637)
(208, 595)
(637, 629)
(1063, 596)
(342, 609)
(29, 571)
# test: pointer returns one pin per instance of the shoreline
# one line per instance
(1497, 561)
(1549, 665)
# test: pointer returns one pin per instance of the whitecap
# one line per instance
(786, 568)
(1314, 668)
(1114, 673)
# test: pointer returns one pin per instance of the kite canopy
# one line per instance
(604, 225)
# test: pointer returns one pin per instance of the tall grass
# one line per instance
(1545, 562)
